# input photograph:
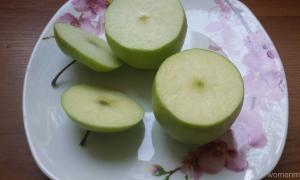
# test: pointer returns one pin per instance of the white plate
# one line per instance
(228, 27)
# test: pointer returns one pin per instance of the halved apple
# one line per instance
(100, 109)
(197, 95)
(85, 48)
(143, 33)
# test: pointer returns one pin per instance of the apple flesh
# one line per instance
(85, 48)
(197, 95)
(143, 33)
(99, 109)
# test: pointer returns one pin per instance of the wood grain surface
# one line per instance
(21, 22)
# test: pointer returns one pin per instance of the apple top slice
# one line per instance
(199, 87)
(144, 24)
(86, 48)
(101, 109)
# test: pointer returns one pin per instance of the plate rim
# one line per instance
(36, 158)
(276, 161)
(32, 148)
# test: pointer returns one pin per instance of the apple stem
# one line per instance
(171, 172)
(53, 82)
(82, 142)
(48, 37)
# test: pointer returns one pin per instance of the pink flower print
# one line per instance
(236, 161)
(69, 18)
(261, 54)
(84, 23)
(157, 170)
(229, 151)
(212, 158)
(275, 80)
(258, 61)
(247, 131)
(225, 31)
(190, 165)
(214, 47)
(225, 10)
(255, 85)
(271, 54)
(90, 8)
(263, 86)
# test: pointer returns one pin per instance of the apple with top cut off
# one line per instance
(100, 109)
(85, 48)
(197, 95)
(143, 33)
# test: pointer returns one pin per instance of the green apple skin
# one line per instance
(77, 53)
(147, 59)
(186, 132)
(103, 122)
(189, 133)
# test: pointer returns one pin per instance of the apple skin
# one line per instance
(98, 128)
(143, 59)
(82, 58)
(185, 132)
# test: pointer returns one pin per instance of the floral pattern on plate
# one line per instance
(257, 136)
(264, 86)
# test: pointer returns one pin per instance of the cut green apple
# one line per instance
(143, 33)
(197, 95)
(85, 48)
(101, 110)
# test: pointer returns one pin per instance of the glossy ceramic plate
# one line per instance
(145, 152)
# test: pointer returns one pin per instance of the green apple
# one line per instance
(143, 33)
(99, 109)
(197, 95)
(85, 48)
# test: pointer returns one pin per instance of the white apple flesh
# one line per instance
(100, 109)
(143, 33)
(86, 48)
(197, 95)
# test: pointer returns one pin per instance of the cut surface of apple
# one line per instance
(85, 48)
(197, 95)
(100, 109)
(143, 33)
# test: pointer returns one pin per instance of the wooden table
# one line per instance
(21, 22)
